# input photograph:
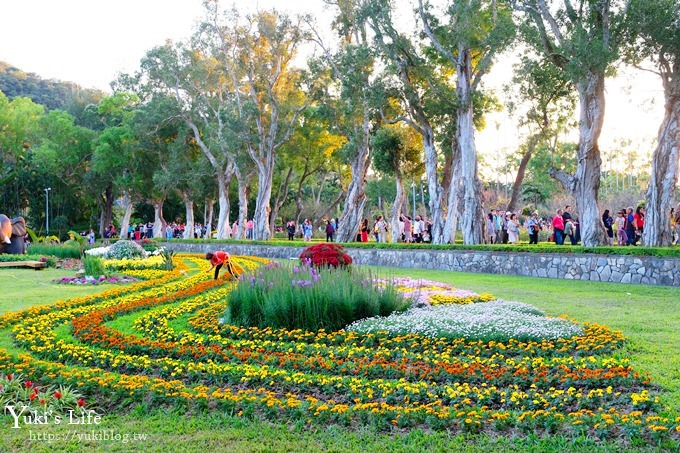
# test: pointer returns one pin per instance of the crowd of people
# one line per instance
(623, 228)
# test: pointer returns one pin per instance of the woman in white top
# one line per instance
(513, 229)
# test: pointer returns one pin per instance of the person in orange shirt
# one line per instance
(218, 259)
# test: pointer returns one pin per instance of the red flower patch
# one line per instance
(327, 254)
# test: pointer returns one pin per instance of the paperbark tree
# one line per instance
(395, 154)
(257, 53)
(476, 32)
(548, 93)
(413, 76)
(581, 41)
(655, 39)
(351, 70)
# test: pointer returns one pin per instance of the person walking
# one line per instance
(558, 227)
(217, 260)
(329, 231)
(533, 226)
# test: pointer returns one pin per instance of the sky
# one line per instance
(89, 42)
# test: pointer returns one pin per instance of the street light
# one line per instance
(47, 211)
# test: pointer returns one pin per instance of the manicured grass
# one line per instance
(647, 315)
(22, 288)
(175, 432)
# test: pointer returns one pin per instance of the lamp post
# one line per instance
(47, 211)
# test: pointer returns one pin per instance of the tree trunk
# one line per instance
(265, 178)
(209, 220)
(473, 214)
(516, 188)
(189, 225)
(281, 195)
(107, 208)
(587, 178)
(664, 177)
(242, 206)
(223, 200)
(436, 213)
(158, 222)
(353, 211)
(399, 200)
(127, 214)
(453, 195)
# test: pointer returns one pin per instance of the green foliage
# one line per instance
(80, 241)
(60, 251)
(309, 299)
(167, 255)
(49, 260)
(126, 250)
(94, 266)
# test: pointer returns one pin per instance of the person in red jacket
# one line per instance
(218, 259)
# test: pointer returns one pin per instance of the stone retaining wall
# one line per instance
(598, 268)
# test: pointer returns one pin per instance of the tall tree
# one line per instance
(580, 40)
(655, 38)
(395, 153)
(351, 69)
(547, 94)
(414, 77)
(476, 32)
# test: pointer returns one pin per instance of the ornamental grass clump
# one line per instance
(307, 298)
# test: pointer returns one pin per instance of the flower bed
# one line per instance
(94, 281)
(572, 385)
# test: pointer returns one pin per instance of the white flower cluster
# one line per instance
(98, 251)
(498, 320)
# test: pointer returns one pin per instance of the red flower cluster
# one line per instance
(327, 254)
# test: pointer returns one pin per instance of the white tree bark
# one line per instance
(664, 176)
(399, 200)
(242, 206)
(209, 220)
(265, 178)
(158, 220)
(223, 201)
(586, 185)
(454, 194)
(127, 214)
(436, 214)
(189, 224)
(473, 214)
(353, 211)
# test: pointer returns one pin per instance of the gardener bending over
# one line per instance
(218, 259)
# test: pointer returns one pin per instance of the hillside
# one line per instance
(53, 94)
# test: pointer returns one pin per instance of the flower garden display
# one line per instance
(574, 384)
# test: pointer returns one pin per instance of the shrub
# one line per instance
(60, 251)
(309, 298)
(126, 250)
(94, 266)
(150, 245)
(327, 254)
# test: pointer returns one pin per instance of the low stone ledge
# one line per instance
(649, 270)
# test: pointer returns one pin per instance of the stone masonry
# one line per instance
(597, 268)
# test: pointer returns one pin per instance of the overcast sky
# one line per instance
(90, 41)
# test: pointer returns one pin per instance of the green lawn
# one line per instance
(23, 288)
(648, 316)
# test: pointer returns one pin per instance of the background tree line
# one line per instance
(265, 116)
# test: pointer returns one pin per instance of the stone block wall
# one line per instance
(598, 268)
